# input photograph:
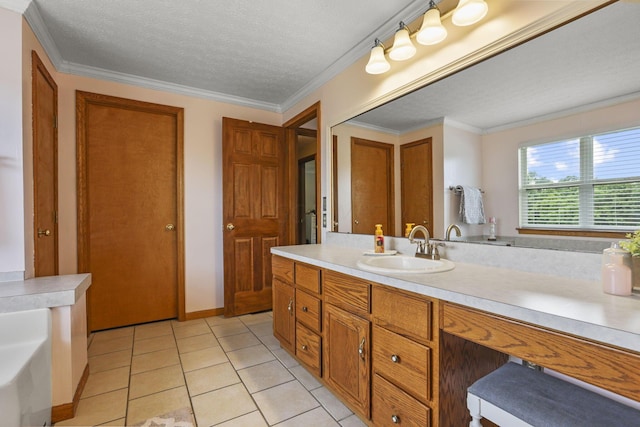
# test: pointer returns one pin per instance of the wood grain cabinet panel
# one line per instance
(284, 320)
(309, 348)
(282, 268)
(403, 362)
(407, 315)
(309, 310)
(347, 292)
(391, 406)
(307, 277)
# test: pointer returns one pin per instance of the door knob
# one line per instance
(169, 227)
(356, 221)
(44, 233)
(230, 226)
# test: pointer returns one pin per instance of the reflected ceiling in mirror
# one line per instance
(591, 60)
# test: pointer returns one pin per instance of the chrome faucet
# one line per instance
(452, 227)
(424, 248)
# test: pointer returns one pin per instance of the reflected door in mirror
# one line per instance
(371, 186)
(417, 183)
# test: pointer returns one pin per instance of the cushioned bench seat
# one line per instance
(541, 400)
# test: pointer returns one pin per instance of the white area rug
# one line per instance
(178, 418)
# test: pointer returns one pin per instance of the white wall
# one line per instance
(500, 153)
(12, 224)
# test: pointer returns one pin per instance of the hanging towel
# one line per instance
(471, 206)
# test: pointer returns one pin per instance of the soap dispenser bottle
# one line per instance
(616, 271)
(379, 240)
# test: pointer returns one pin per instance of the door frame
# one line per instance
(310, 113)
(37, 66)
(84, 98)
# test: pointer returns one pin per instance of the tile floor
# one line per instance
(210, 372)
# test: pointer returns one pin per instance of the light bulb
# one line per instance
(469, 12)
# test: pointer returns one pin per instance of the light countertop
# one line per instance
(577, 307)
(43, 292)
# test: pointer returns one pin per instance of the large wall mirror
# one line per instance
(414, 148)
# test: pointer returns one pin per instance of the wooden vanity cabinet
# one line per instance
(308, 308)
(404, 358)
(284, 320)
(347, 338)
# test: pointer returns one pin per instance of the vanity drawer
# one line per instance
(405, 314)
(282, 267)
(308, 277)
(346, 292)
(391, 406)
(308, 348)
(308, 310)
(402, 361)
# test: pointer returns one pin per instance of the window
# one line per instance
(587, 183)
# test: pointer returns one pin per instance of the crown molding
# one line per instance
(18, 6)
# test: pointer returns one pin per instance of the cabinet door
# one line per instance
(284, 320)
(346, 356)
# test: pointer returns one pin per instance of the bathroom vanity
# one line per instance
(403, 348)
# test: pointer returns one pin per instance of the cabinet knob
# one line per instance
(305, 309)
(395, 419)
(304, 347)
(290, 306)
(395, 358)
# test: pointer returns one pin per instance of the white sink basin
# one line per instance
(404, 264)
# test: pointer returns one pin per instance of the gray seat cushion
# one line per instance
(545, 401)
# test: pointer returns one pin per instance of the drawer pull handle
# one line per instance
(305, 309)
(304, 347)
(361, 348)
(395, 419)
(290, 307)
(395, 358)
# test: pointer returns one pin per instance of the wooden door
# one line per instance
(45, 168)
(130, 209)
(254, 211)
(346, 356)
(372, 191)
(417, 183)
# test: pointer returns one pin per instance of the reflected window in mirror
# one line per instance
(585, 183)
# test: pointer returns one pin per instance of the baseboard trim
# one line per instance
(68, 410)
(204, 313)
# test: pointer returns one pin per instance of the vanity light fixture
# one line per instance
(377, 64)
(431, 32)
(403, 47)
(469, 12)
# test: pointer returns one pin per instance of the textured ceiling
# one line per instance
(264, 51)
(590, 60)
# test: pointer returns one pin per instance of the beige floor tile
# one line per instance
(178, 324)
(265, 375)
(250, 356)
(191, 330)
(113, 333)
(222, 405)
(306, 379)
(154, 381)
(236, 342)
(150, 330)
(99, 409)
(116, 423)
(157, 359)
(317, 418)
(211, 378)
(221, 320)
(331, 403)
(157, 404)
(202, 358)
(109, 346)
(352, 421)
(270, 341)
(198, 342)
(252, 319)
(253, 419)
(149, 345)
(285, 358)
(109, 361)
(226, 329)
(285, 401)
(262, 329)
(105, 381)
